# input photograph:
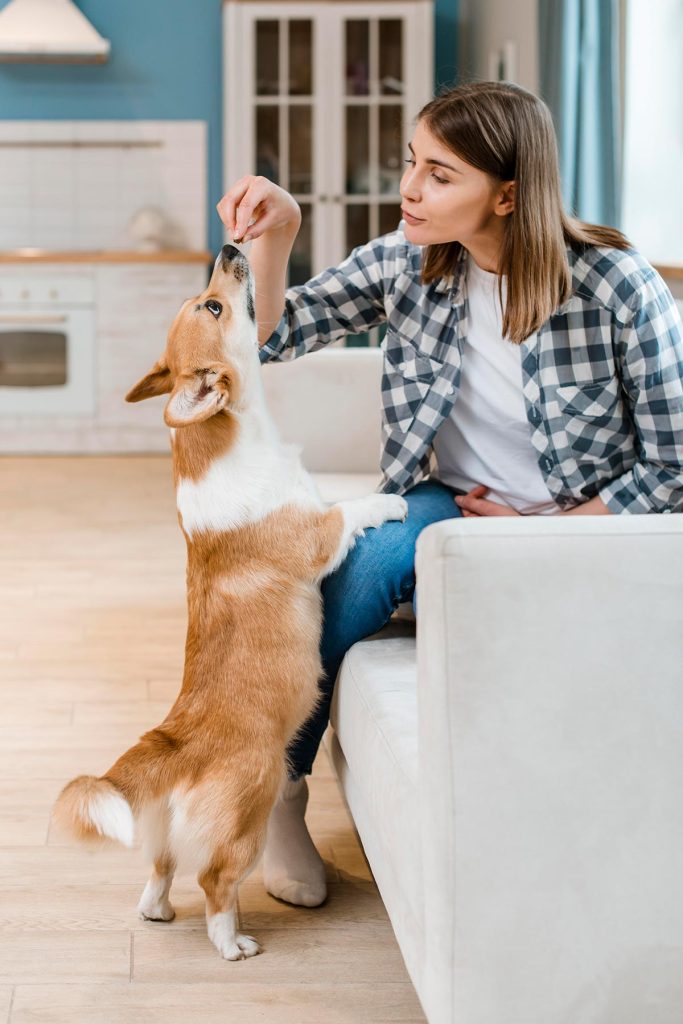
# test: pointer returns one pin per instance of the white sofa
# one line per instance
(515, 774)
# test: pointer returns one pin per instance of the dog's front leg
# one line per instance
(350, 519)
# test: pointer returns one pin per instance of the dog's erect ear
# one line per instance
(197, 397)
(157, 382)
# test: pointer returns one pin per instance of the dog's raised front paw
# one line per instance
(397, 507)
(380, 508)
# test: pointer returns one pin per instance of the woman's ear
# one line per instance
(157, 382)
(197, 397)
(505, 200)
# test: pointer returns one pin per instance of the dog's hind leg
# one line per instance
(154, 904)
(220, 886)
(154, 821)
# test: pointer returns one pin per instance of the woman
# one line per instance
(533, 365)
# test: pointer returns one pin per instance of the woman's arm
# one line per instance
(648, 346)
(341, 300)
(592, 507)
(475, 503)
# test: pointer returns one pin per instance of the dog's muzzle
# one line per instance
(229, 253)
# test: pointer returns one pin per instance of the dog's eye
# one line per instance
(214, 307)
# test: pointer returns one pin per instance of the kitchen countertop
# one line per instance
(22, 256)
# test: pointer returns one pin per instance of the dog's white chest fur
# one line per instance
(257, 476)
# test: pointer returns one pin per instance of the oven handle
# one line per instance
(38, 319)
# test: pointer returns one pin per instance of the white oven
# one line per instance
(47, 344)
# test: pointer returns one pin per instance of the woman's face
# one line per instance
(454, 201)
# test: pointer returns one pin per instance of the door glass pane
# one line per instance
(390, 148)
(267, 58)
(32, 359)
(390, 58)
(357, 226)
(300, 149)
(300, 59)
(301, 259)
(389, 217)
(268, 143)
(357, 58)
(357, 150)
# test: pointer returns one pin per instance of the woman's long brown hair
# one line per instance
(508, 132)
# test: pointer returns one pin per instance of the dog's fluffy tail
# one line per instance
(95, 810)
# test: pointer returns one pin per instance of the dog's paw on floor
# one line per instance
(156, 911)
(230, 944)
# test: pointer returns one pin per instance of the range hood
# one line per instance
(49, 31)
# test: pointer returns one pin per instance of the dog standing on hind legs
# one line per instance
(200, 787)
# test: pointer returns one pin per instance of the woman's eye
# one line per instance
(408, 161)
(441, 181)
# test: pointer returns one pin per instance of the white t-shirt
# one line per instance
(487, 437)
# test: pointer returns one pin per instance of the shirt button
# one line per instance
(548, 463)
(451, 390)
(401, 366)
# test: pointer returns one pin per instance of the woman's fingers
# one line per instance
(227, 206)
(264, 219)
(253, 197)
(257, 200)
(476, 505)
(239, 202)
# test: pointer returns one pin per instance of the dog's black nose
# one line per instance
(229, 252)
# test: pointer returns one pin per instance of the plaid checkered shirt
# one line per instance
(602, 379)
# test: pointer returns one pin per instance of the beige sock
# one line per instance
(293, 869)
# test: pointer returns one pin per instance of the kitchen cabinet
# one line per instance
(321, 98)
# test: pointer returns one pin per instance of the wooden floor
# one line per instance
(92, 622)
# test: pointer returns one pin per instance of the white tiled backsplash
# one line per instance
(76, 184)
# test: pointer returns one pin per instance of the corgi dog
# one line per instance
(199, 788)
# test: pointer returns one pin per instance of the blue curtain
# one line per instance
(579, 72)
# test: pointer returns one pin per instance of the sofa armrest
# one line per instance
(550, 702)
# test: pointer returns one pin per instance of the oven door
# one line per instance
(47, 362)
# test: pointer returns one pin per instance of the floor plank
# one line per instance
(6, 993)
(215, 1003)
(83, 956)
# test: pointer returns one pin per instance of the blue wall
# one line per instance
(166, 63)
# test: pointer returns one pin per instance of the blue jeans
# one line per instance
(359, 598)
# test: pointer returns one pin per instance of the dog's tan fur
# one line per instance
(252, 662)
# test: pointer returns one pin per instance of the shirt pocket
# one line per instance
(593, 417)
(408, 376)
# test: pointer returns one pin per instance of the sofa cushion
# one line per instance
(374, 716)
(335, 487)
